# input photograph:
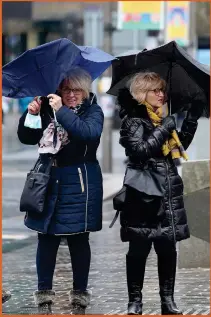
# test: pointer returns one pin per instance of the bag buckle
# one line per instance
(54, 163)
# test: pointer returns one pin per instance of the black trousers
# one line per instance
(141, 248)
(80, 254)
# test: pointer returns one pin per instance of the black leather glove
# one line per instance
(195, 111)
(169, 123)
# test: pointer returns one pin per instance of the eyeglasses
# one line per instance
(75, 91)
(157, 91)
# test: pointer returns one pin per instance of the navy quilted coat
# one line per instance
(74, 199)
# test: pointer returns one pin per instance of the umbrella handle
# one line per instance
(55, 129)
(170, 106)
(136, 57)
(54, 114)
(169, 74)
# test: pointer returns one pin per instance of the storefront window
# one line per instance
(13, 46)
(203, 56)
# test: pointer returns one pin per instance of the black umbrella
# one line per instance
(187, 79)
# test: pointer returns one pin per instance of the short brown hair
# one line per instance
(141, 83)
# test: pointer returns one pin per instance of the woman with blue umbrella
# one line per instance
(73, 205)
(67, 124)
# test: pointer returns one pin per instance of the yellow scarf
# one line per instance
(172, 145)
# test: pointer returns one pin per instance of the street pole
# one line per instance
(107, 145)
(108, 120)
(135, 39)
(93, 35)
(192, 30)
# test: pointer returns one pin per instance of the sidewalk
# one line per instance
(107, 278)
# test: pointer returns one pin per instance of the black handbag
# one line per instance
(36, 185)
(147, 179)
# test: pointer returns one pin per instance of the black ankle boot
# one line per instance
(135, 278)
(169, 307)
(166, 273)
(135, 308)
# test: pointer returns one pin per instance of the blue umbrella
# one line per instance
(39, 71)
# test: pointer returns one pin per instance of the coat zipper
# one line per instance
(169, 199)
(87, 191)
(81, 179)
(87, 196)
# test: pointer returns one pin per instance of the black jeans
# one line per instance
(80, 254)
(140, 248)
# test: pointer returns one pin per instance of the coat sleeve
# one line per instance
(27, 135)
(86, 129)
(131, 138)
(187, 132)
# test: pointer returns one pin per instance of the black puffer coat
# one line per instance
(160, 218)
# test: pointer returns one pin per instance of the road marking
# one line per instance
(15, 236)
(187, 311)
(197, 311)
(207, 312)
(14, 174)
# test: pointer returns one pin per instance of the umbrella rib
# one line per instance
(170, 82)
(194, 80)
(18, 78)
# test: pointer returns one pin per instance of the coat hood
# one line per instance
(129, 106)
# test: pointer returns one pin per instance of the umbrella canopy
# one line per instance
(39, 71)
(187, 79)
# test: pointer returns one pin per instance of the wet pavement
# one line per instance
(107, 278)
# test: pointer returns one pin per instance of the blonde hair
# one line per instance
(78, 79)
(141, 83)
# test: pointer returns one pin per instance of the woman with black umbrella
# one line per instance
(153, 147)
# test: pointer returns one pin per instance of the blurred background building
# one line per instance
(115, 27)
(28, 24)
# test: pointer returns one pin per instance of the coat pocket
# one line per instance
(81, 179)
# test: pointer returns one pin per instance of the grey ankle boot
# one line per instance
(80, 298)
(44, 300)
(6, 295)
(79, 301)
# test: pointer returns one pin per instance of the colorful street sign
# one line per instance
(140, 15)
(177, 22)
